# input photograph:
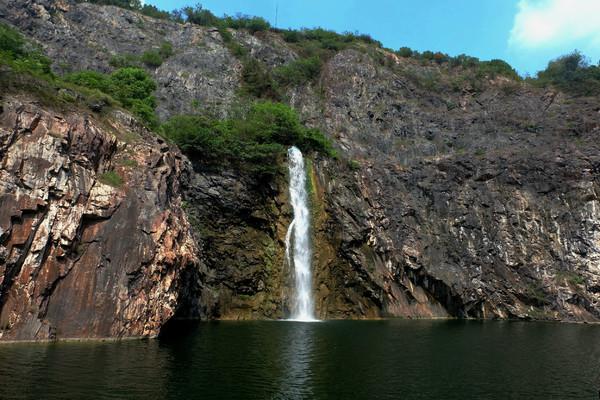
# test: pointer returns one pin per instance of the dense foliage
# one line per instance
(20, 55)
(131, 87)
(254, 141)
(572, 73)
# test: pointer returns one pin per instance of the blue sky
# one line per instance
(526, 33)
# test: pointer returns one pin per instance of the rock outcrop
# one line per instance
(93, 240)
(451, 197)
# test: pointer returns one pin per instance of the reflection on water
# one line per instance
(297, 355)
(345, 359)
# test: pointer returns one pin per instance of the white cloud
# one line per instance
(550, 23)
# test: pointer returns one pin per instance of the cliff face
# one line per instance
(466, 203)
(93, 242)
(449, 198)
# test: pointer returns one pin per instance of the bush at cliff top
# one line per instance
(136, 5)
(496, 67)
(200, 16)
(571, 73)
(257, 140)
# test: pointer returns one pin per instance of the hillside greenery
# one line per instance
(571, 73)
(256, 139)
(20, 55)
(131, 88)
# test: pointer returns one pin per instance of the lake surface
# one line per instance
(390, 359)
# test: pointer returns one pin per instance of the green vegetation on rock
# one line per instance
(481, 69)
(131, 87)
(111, 178)
(20, 55)
(257, 81)
(256, 140)
(30, 69)
(299, 71)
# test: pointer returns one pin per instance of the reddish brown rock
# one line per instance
(93, 240)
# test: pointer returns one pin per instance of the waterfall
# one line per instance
(297, 239)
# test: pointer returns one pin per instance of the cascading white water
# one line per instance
(297, 239)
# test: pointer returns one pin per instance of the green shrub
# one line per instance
(11, 42)
(144, 109)
(405, 52)
(494, 68)
(129, 84)
(292, 36)
(154, 12)
(464, 61)
(200, 16)
(165, 50)
(152, 58)
(97, 100)
(323, 43)
(131, 87)
(354, 165)
(299, 71)
(257, 81)
(252, 24)
(90, 79)
(124, 61)
(427, 55)
(196, 135)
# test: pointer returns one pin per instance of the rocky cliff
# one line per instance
(450, 198)
(93, 240)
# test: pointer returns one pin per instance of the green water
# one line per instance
(392, 359)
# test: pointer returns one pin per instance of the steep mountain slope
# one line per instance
(452, 196)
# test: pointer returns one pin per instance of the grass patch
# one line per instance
(570, 277)
(128, 162)
(111, 178)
